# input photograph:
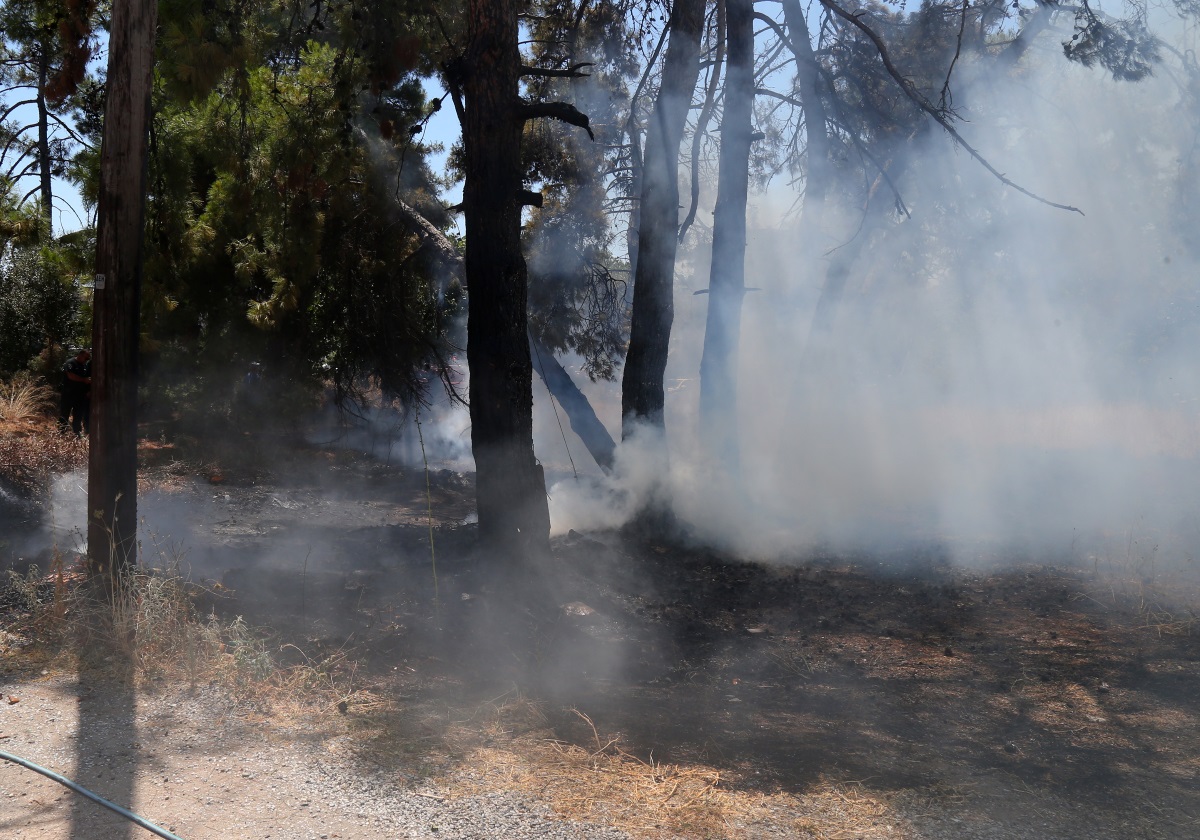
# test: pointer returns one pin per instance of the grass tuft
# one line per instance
(25, 401)
(32, 450)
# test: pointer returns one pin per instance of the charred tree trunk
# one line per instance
(510, 487)
(580, 413)
(642, 396)
(727, 278)
(112, 461)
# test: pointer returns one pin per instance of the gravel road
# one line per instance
(201, 767)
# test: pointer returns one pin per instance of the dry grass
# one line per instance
(32, 450)
(506, 745)
(24, 401)
(149, 630)
(1163, 595)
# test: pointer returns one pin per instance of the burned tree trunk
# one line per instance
(642, 396)
(727, 286)
(112, 461)
(510, 488)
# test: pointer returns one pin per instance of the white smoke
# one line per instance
(1002, 376)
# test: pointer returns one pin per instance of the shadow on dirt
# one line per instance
(780, 677)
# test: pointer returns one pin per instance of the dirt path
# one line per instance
(201, 765)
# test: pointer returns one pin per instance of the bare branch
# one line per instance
(629, 123)
(962, 27)
(12, 173)
(15, 106)
(910, 90)
(56, 200)
(901, 207)
(710, 100)
(71, 132)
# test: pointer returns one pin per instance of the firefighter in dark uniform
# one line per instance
(76, 393)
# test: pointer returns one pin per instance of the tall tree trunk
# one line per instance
(816, 130)
(45, 167)
(112, 461)
(642, 395)
(727, 278)
(510, 486)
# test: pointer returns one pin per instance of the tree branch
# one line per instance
(910, 90)
(431, 237)
(12, 174)
(710, 101)
(562, 111)
(947, 97)
(15, 106)
(571, 72)
(70, 131)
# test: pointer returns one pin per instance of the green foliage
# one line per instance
(39, 305)
(45, 47)
(271, 227)
(19, 224)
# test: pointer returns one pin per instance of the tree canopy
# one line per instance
(294, 213)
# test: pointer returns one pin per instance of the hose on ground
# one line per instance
(65, 782)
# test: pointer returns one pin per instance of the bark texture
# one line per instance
(642, 395)
(112, 462)
(510, 486)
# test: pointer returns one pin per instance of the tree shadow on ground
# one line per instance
(779, 677)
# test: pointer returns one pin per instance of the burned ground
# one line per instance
(1059, 693)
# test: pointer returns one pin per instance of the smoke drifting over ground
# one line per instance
(1002, 376)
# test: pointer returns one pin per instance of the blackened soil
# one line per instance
(900, 673)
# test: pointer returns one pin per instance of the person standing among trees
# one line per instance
(76, 393)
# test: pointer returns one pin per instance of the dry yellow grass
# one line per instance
(24, 401)
(31, 447)
(507, 745)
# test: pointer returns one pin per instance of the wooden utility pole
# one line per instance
(112, 463)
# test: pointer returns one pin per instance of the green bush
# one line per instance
(40, 306)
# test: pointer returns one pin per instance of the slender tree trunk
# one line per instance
(510, 486)
(642, 395)
(112, 462)
(727, 279)
(816, 129)
(45, 166)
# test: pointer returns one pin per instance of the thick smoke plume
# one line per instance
(1002, 377)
